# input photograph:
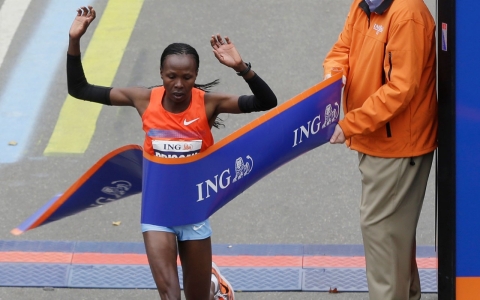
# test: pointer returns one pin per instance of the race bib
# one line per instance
(176, 149)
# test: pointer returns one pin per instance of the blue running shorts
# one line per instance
(191, 232)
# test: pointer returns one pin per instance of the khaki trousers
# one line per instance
(393, 190)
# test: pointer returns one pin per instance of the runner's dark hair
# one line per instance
(185, 49)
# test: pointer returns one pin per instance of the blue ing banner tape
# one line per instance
(117, 175)
(178, 194)
(189, 190)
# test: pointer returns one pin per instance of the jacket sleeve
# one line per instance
(337, 58)
(403, 66)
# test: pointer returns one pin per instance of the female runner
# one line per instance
(179, 111)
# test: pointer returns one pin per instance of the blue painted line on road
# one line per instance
(357, 250)
(334, 250)
(258, 249)
(37, 246)
(109, 247)
(28, 84)
(217, 249)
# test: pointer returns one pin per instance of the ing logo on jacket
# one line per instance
(378, 28)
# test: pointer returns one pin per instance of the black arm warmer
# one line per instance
(78, 86)
(262, 99)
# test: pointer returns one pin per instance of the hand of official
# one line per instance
(338, 137)
(344, 79)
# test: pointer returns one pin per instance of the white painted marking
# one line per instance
(11, 13)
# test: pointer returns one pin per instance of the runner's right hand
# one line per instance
(85, 16)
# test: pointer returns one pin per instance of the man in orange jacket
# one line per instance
(386, 52)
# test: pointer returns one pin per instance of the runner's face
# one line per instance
(178, 73)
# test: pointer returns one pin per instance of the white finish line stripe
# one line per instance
(11, 13)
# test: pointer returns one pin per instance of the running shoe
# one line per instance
(225, 290)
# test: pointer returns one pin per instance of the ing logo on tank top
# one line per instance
(176, 149)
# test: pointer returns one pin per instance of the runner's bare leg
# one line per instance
(161, 250)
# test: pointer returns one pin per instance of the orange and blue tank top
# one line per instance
(174, 135)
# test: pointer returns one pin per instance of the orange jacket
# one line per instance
(389, 98)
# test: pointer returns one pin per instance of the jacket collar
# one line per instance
(379, 10)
